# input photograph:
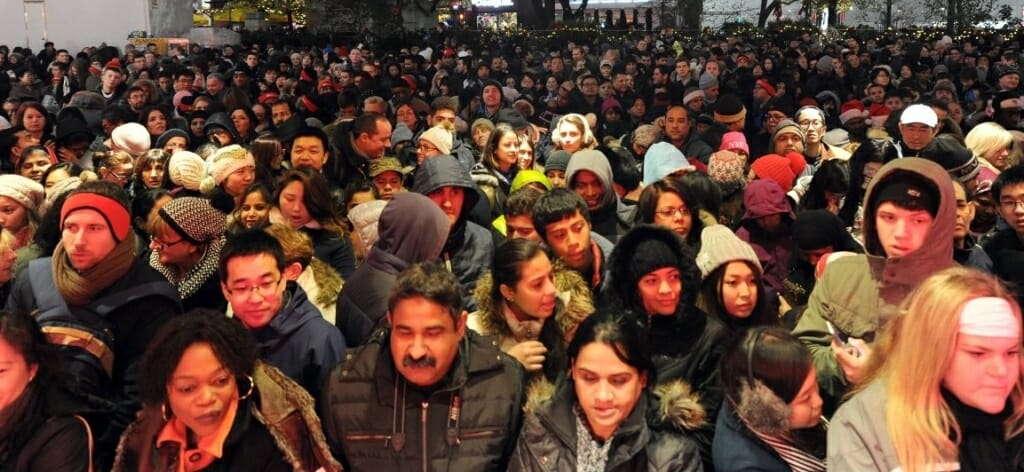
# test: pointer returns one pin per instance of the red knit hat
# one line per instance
(767, 86)
(781, 169)
(852, 109)
(879, 113)
(114, 63)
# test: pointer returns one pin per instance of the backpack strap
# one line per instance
(49, 303)
(105, 305)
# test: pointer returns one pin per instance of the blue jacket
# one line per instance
(300, 342)
(737, 449)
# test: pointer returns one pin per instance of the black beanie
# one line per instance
(959, 161)
(649, 256)
(729, 108)
(815, 229)
(907, 190)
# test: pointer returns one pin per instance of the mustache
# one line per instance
(426, 361)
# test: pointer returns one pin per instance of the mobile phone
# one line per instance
(842, 339)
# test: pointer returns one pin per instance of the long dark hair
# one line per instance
(316, 195)
(832, 176)
(711, 294)
(506, 269)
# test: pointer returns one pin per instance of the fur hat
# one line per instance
(187, 169)
(195, 219)
(223, 163)
(719, 246)
(27, 192)
(132, 138)
(439, 137)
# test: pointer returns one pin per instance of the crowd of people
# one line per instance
(753, 253)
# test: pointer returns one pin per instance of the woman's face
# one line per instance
(671, 212)
(551, 84)
(605, 89)
(201, 390)
(660, 290)
(607, 389)
(156, 123)
(526, 83)
(905, 72)
(507, 152)
(175, 144)
(882, 78)
(534, 293)
(480, 136)
(55, 177)
(152, 174)
(13, 216)
(768, 65)
(984, 370)
(239, 180)
(292, 206)
(525, 155)
(405, 114)
(16, 375)
(255, 210)
(172, 248)
(712, 68)
(570, 137)
(33, 121)
(999, 157)
(739, 289)
(34, 165)
(805, 409)
(241, 121)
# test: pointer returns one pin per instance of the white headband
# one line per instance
(989, 317)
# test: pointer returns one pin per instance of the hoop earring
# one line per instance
(163, 413)
(252, 386)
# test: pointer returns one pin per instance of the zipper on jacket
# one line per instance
(364, 437)
(423, 434)
(487, 433)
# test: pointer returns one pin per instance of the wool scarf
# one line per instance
(78, 288)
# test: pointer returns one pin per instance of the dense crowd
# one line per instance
(753, 253)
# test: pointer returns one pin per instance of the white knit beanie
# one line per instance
(440, 138)
(223, 163)
(719, 246)
(27, 192)
(132, 138)
(187, 169)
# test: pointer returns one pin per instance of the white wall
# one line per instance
(72, 24)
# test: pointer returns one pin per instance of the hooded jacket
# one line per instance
(686, 346)
(412, 229)
(376, 421)
(221, 120)
(765, 197)
(859, 294)
(611, 218)
(654, 437)
(469, 248)
(300, 342)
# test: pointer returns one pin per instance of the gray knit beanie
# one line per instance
(719, 246)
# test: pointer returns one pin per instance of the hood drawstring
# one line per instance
(397, 428)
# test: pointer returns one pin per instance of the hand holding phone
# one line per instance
(842, 340)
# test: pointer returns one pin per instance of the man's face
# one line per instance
(876, 94)
(1009, 81)
(917, 135)
(344, 78)
(682, 70)
(677, 124)
(788, 142)
(87, 238)
(569, 239)
(621, 83)
(64, 57)
(589, 87)
(450, 200)
(964, 212)
(894, 103)
(521, 227)
(252, 61)
(443, 116)
(184, 82)
(255, 289)
(165, 82)
(901, 231)
(279, 113)
(1011, 206)
(491, 96)
(424, 340)
(658, 77)
(110, 79)
(137, 99)
(373, 145)
(813, 125)
(588, 186)
(214, 85)
(309, 151)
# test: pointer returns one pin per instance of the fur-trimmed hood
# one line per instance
(623, 286)
(574, 303)
(672, 406)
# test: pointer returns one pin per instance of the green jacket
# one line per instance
(859, 294)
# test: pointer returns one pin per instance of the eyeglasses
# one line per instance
(670, 212)
(1012, 204)
(806, 123)
(160, 245)
(426, 147)
(263, 289)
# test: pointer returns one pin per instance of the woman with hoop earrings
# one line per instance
(209, 404)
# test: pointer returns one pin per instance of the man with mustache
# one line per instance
(428, 394)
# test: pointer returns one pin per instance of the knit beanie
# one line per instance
(195, 219)
(824, 64)
(27, 192)
(132, 138)
(649, 256)
(527, 176)
(719, 246)
(663, 159)
(64, 186)
(400, 134)
(959, 161)
(223, 163)
(729, 109)
(482, 122)
(815, 229)
(734, 141)
(439, 137)
(558, 160)
(707, 81)
(187, 169)
(726, 169)
(838, 137)
(365, 218)
(767, 86)
(171, 133)
(782, 169)
(788, 126)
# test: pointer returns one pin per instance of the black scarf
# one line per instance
(982, 443)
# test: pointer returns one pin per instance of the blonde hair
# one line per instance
(986, 138)
(921, 425)
(580, 122)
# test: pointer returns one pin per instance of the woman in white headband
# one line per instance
(947, 392)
